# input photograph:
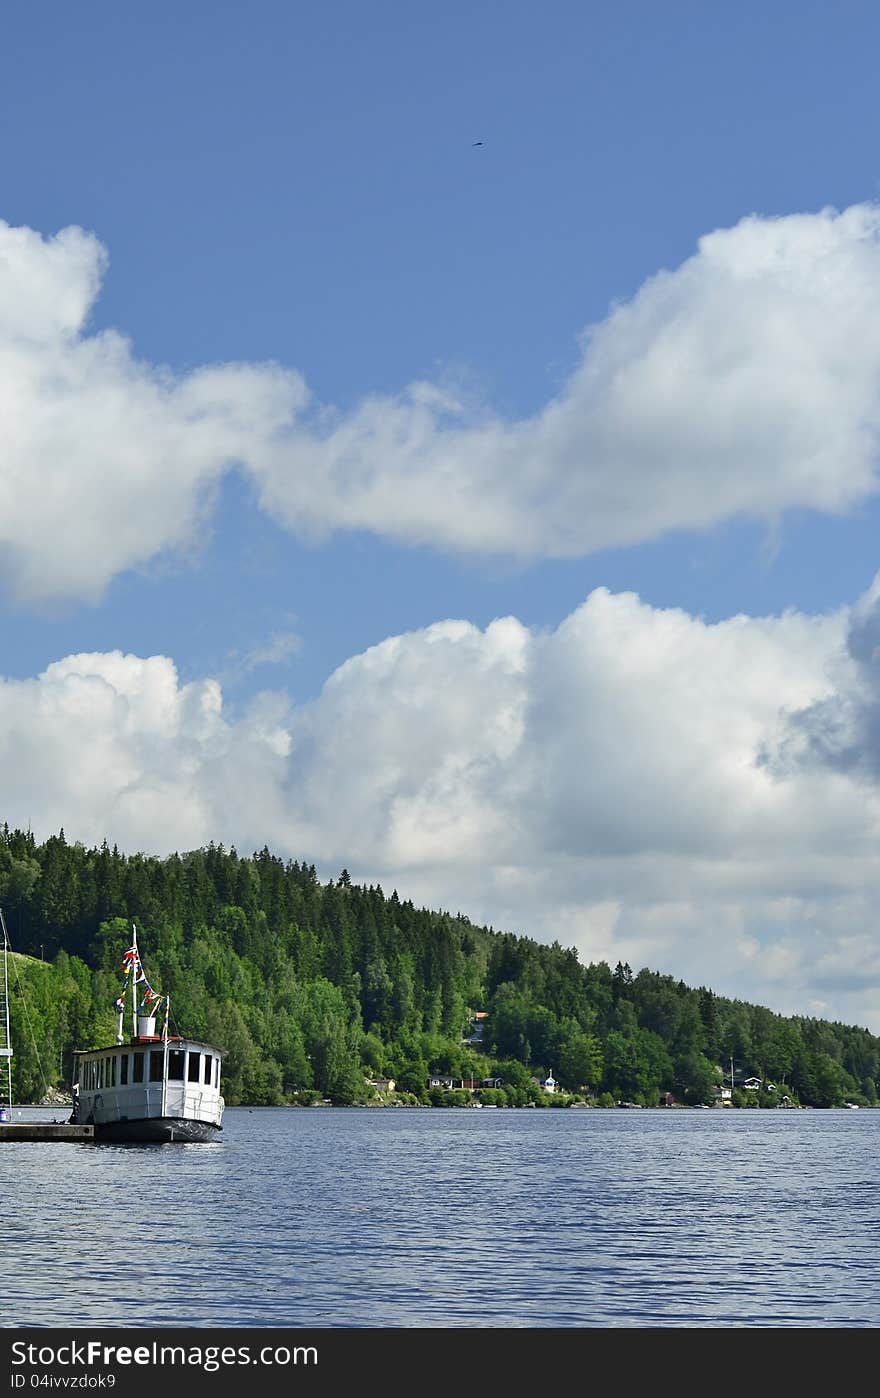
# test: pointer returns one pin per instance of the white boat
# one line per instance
(153, 1086)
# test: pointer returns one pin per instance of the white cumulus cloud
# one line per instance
(105, 461)
(613, 784)
(744, 382)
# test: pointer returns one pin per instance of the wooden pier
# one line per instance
(45, 1131)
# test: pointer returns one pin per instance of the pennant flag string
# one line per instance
(131, 964)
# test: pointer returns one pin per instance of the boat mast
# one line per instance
(134, 993)
(6, 1044)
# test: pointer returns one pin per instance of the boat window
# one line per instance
(101, 1072)
(123, 1070)
(208, 1069)
(113, 1071)
(216, 1072)
(157, 1057)
(137, 1074)
(195, 1063)
(175, 1065)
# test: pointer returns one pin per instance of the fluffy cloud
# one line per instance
(113, 745)
(607, 784)
(743, 382)
(104, 461)
(841, 732)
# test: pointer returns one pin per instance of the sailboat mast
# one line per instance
(6, 1046)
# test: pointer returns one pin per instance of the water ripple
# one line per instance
(439, 1218)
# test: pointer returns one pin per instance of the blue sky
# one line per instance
(300, 187)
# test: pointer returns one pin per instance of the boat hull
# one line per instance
(158, 1129)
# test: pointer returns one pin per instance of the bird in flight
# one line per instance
(477, 143)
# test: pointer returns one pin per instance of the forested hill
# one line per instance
(314, 988)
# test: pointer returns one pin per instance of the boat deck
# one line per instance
(45, 1131)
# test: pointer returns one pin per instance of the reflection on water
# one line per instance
(406, 1217)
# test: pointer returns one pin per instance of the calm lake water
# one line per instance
(330, 1217)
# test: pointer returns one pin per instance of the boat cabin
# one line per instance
(147, 1082)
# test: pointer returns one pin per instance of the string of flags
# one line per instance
(150, 998)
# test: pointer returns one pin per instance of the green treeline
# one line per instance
(312, 988)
